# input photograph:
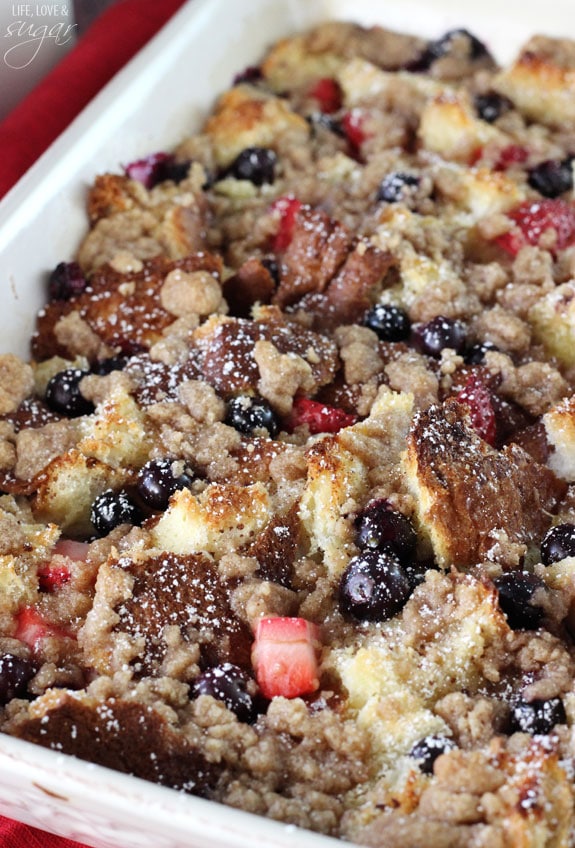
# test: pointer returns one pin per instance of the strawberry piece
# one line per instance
(52, 576)
(287, 207)
(31, 627)
(329, 94)
(477, 397)
(533, 218)
(319, 417)
(284, 657)
(147, 170)
(353, 125)
(513, 154)
(78, 551)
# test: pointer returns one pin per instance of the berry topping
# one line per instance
(374, 586)
(353, 128)
(52, 576)
(256, 164)
(439, 333)
(475, 355)
(67, 280)
(435, 50)
(512, 154)
(287, 209)
(492, 106)
(391, 323)
(157, 483)
(253, 73)
(516, 590)
(63, 394)
(328, 93)
(319, 417)
(250, 415)
(559, 543)
(227, 683)
(397, 187)
(32, 627)
(156, 168)
(110, 509)
(380, 526)
(537, 716)
(15, 674)
(533, 219)
(427, 750)
(284, 657)
(477, 397)
(106, 366)
(553, 177)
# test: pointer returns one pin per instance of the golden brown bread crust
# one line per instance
(468, 493)
(123, 735)
(123, 309)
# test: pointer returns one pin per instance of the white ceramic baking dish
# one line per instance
(162, 95)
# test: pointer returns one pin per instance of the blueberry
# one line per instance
(228, 683)
(251, 74)
(438, 334)
(15, 674)
(157, 483)
(391, 323)
(172, 170)
(380, 526)
(491, 106)
(67, 280)
(63, 394)
(397, 186)
(476, 49)
(559, 542)
(537, 716)
(374, 586)
(475, 355)
(552, 177)
(110, 509)
(247, 415)
(516, 590)
(327, 122)
(428, 749)
(106, 366)
(270, 263)
(256, 164)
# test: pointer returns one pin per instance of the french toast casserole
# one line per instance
(288, 505)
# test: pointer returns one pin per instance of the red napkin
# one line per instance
(30, 128)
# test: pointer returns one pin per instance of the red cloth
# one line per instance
(109, 43)
(30, 128)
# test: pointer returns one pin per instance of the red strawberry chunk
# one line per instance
(287, 208)
(476, 396)
(533, 218)
(353, 125)
(284, 657)
(31, 627)
(146, 170)
(513, 154)
(328, 93)
(52, 576)
(319, 417)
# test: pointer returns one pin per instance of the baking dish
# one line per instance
(144, 110)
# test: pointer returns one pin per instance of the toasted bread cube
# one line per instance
(449, 127)
(246, 118)
(559, 425)
(473, 501)
(222, 519)
(553, 321)
(541, 81)
(68, 487)
(480, 191)
(116, 434)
